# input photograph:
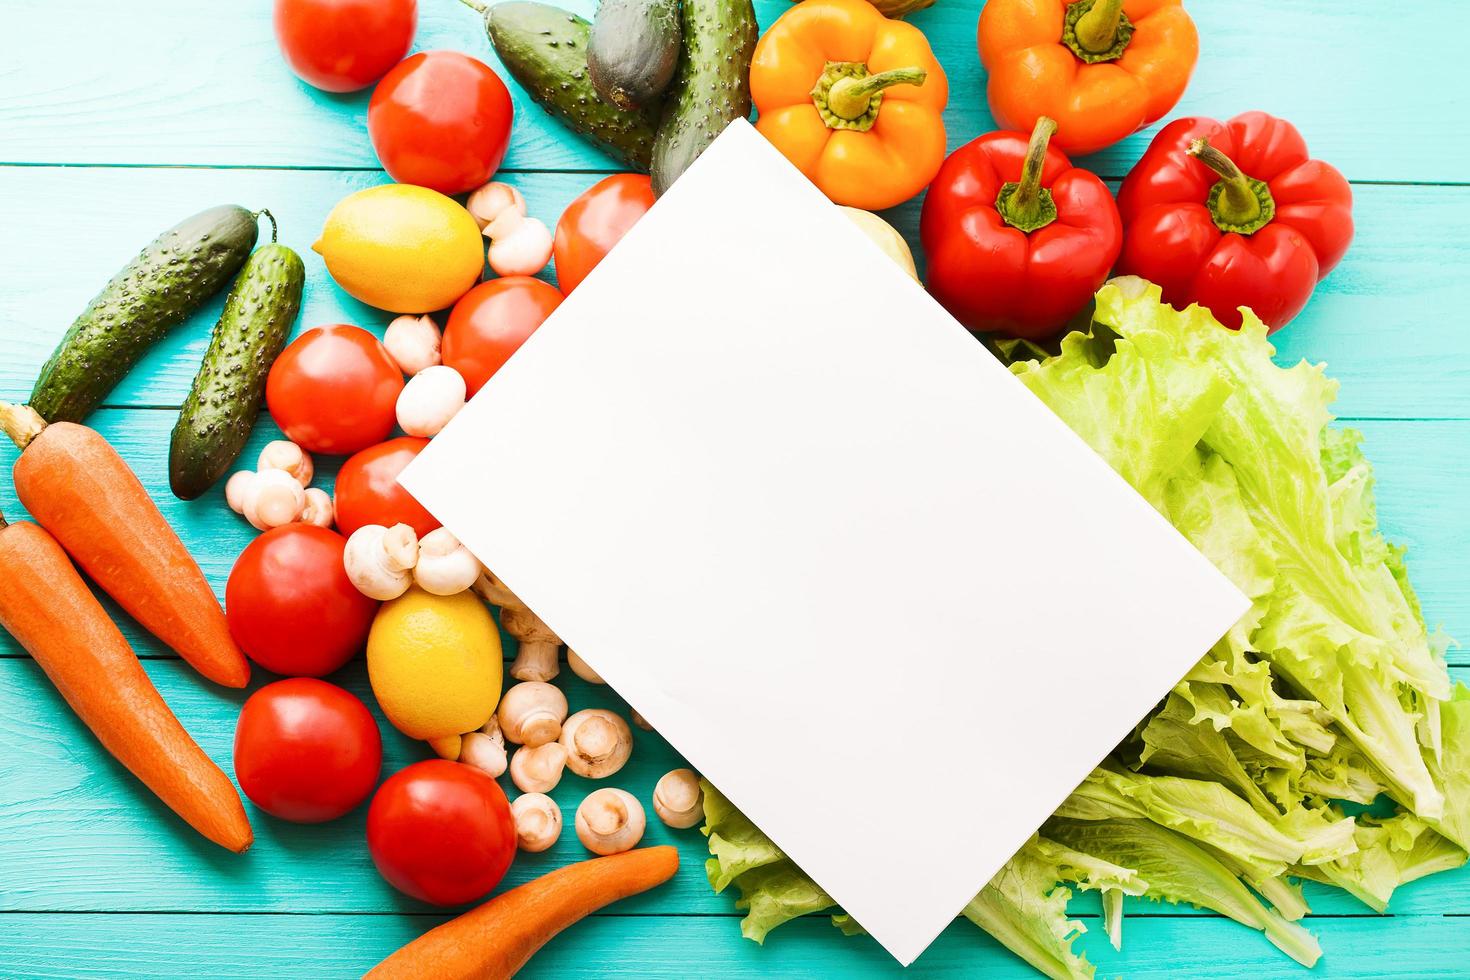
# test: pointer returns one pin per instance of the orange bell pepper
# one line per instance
(853, 99)
(1103, 69)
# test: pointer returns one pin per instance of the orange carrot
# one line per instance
(77, 487)
(48, 608)
(495, 940)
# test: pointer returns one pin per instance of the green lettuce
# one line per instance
(1330, 689)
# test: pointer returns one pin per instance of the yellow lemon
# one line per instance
(434, 663)
(402, 248)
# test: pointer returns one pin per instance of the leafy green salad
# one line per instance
(1320, 739)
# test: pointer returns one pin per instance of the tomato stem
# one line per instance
(1097, 30)
(21, 423)
(1237, 203)
(1025, 204)
(847, 97)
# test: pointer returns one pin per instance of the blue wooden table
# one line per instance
(117, 119)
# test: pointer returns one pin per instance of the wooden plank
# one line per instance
(1388, 322)
(176, 82)
(327, 947)
(81, 835)
(1422, 467)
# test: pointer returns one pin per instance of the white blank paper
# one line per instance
(806, 525)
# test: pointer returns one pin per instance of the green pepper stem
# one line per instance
(1237, 202)
(1025, 204)
(850, 98)
(1097, 30)
(21, 423)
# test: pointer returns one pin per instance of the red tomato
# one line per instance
(441, 832)
(595, 222)
(491, 321)
(334, 390)
(367, 490)
(441, 119)
(290, 605)
(344, 45)
(306, 751)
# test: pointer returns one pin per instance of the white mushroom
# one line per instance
(538, 821)
(483, 752)
(283, 454)
(678, 799)
(429, 400)
(318, 508)
(237, 488)
(271, 499)
(641, 722)
(379, 560)
(581, 668)
(413, 343)
(524, 250)
(531, 713)
(597, 742)
(536, 658)
(444, 566)
(610, 821)
(494, 201)
(538, 769)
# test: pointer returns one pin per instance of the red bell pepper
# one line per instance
(1234, 214)
(1017, 238)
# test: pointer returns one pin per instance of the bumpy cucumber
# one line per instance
(545, 50)
(712, 87)
(634, 50)
(225, 401)
(154, 293)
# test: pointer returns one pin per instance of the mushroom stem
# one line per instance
(538, 821)
(531, 713)
(597, 742)
(538, 769)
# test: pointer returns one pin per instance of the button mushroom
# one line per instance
(531, 713)
(429, 400)
(271, 499)
(379, 560)
(444, 567)
(413, 342)
(597, 742)
(536, 660)
(678, 799)
(582, 670)
(538, 821)
(538, 769)
(318, 508)
(641, 722)
(610, 821)
(483, 752)
(283, 454)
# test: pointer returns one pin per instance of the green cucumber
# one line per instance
(170, 279)
(545, 50)
(634, 50)
(224, 403)
(712, 87)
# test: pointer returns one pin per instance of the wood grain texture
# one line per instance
(332, 947)
(82, 836)
(179, 82)
(1389, 321)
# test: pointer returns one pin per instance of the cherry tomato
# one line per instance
(291, 606)
(344, 45)
(334, 390)
(306, 751)
(367, 490)
(441, 832)
(595, 222)
(491, 321)
(441, 119)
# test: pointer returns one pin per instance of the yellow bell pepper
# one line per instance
(853, 99)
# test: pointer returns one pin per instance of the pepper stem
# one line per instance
(21, 423)
(847, 97)
(1097, 30)
(1237, 203)
(1025, 204)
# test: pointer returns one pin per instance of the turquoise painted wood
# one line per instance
(117, 119)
